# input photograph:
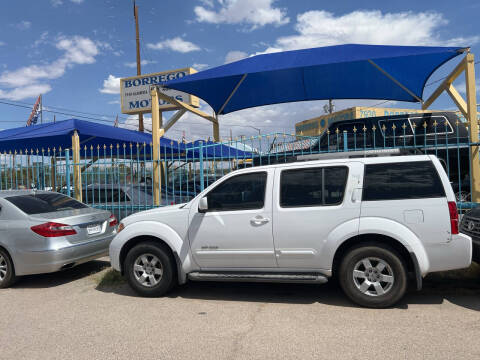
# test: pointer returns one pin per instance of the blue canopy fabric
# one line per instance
(59, 134)
(333, 72)
(213, 150)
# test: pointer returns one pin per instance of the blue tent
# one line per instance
(215, 150)
(332, 72)
(92, 134)
(59, 134)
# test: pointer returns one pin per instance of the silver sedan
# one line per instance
(43, 232)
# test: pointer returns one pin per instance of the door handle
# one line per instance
(259, 220)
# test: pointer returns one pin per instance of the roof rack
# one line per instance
(355, 154)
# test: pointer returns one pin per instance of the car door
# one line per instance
(313, 205)
(236, 231)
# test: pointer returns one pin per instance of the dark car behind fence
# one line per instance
(121, 178)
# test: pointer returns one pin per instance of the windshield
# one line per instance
(44, 203)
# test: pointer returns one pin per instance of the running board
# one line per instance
(258, 277)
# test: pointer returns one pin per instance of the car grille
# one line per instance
(470, 225)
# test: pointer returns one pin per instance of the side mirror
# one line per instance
(203, 205)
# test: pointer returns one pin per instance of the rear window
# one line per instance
(43, 203)
(398, 181)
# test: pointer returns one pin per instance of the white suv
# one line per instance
(370, 222)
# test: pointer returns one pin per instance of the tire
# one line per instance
(380, 278)
(7, 271)
(150, 269)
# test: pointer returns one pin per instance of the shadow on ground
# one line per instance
(62, 277)
(465, 293)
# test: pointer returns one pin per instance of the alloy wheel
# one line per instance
(3, 268)
(148, 270)
(373, 276)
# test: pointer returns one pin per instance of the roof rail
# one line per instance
(355, 154)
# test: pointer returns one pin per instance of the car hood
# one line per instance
(475, 213)
(157, 214)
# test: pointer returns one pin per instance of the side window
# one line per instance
(241, 192)
(406, 180)
(313, 186)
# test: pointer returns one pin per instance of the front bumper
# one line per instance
(51, 260)
(476, 249)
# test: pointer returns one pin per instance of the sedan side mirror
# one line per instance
(203, 205)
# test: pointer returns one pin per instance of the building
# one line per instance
(317, 125)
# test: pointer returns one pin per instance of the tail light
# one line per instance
(112, 221)
(53, 229)
(452, 209)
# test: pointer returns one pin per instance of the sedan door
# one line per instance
(236, 231)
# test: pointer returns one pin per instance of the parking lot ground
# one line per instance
(69, 315)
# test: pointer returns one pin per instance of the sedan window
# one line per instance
(44, 203)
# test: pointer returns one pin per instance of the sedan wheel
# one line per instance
(7, 272)
(3, 268)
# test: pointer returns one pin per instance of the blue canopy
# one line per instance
(332, 72)
(59, 134)
(212, 149)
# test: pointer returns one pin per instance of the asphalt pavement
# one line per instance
(69, 315)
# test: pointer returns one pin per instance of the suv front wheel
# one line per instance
(373, 276)
(149, 269)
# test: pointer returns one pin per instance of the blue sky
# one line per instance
(74, 51)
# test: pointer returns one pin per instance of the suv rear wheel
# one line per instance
(149, 269)
(373, 276)
(7, 272)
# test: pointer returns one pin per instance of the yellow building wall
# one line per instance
(316, 126)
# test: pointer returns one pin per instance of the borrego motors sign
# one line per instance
(135, 91)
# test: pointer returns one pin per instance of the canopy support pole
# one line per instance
(232, 93)
(185, 107)
(174, 119)
(468, 109)
(77, 174)
(411, 93)
(157, 132)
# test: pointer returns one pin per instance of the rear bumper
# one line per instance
(455, 254)
(51, 260)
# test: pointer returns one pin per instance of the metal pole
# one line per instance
(473, 126)
(156, 134)
(77, 173)
(139, 70)
(202, 183)
(67, 170)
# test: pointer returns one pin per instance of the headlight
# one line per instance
(120, 227)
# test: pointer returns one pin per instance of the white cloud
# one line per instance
(175, 44)
(111, 85)
(24, 92)
(131, 123)
(56, 3)
(199, 66)
(76, 50)
(143, 63)
(2, 43)
(256, 13)
(23, 25)
(322, 28)
(114, 102)
(235, 56)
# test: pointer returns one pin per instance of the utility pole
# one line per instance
(329, 108)
(139, 70)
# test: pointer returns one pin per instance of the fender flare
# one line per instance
(386, 227)
(165, 233)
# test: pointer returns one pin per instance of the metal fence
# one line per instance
(121, 178)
